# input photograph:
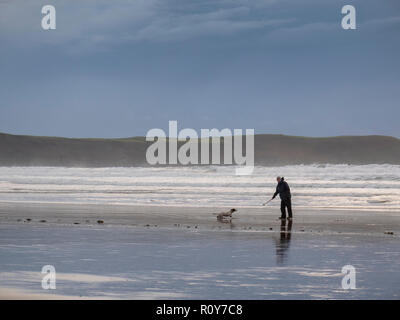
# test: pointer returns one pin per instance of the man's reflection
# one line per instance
(282, 245)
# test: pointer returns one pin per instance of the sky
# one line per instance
(120, 68)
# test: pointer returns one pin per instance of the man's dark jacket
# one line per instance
(283, 189)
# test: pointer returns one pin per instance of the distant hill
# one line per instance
(18, 150)
(281, 149)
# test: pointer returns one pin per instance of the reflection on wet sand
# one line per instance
(282, 244)
(226, 221)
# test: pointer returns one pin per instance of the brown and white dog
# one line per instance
(227, 214)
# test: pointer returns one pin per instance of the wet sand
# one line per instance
(185, 253)
(255, 219)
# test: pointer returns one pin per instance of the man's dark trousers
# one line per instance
(286, 203)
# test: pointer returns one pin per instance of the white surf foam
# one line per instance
(335, 186)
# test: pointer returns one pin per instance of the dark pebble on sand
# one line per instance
(100, 221)
(42, 220)
(76, 223)
(28, 220)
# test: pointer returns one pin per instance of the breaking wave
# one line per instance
(375, 187)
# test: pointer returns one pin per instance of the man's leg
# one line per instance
(289, 207)
(283, 210)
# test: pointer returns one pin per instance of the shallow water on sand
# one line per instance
(159, 263)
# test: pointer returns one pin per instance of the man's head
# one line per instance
(278, 178)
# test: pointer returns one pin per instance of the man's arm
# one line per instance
(276, 193)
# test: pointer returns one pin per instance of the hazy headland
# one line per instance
(20, 150)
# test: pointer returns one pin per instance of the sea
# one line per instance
(361, 187)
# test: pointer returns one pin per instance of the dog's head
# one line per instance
(233, 210)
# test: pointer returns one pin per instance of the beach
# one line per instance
(149, 150)
(153, 233)
(169, 252)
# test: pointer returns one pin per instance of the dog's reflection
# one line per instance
(226, 221)
(282, 245)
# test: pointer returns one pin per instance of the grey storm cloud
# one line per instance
(101, 23)
(121, 67)
(133, 20)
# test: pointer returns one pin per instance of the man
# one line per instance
(284, 193)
